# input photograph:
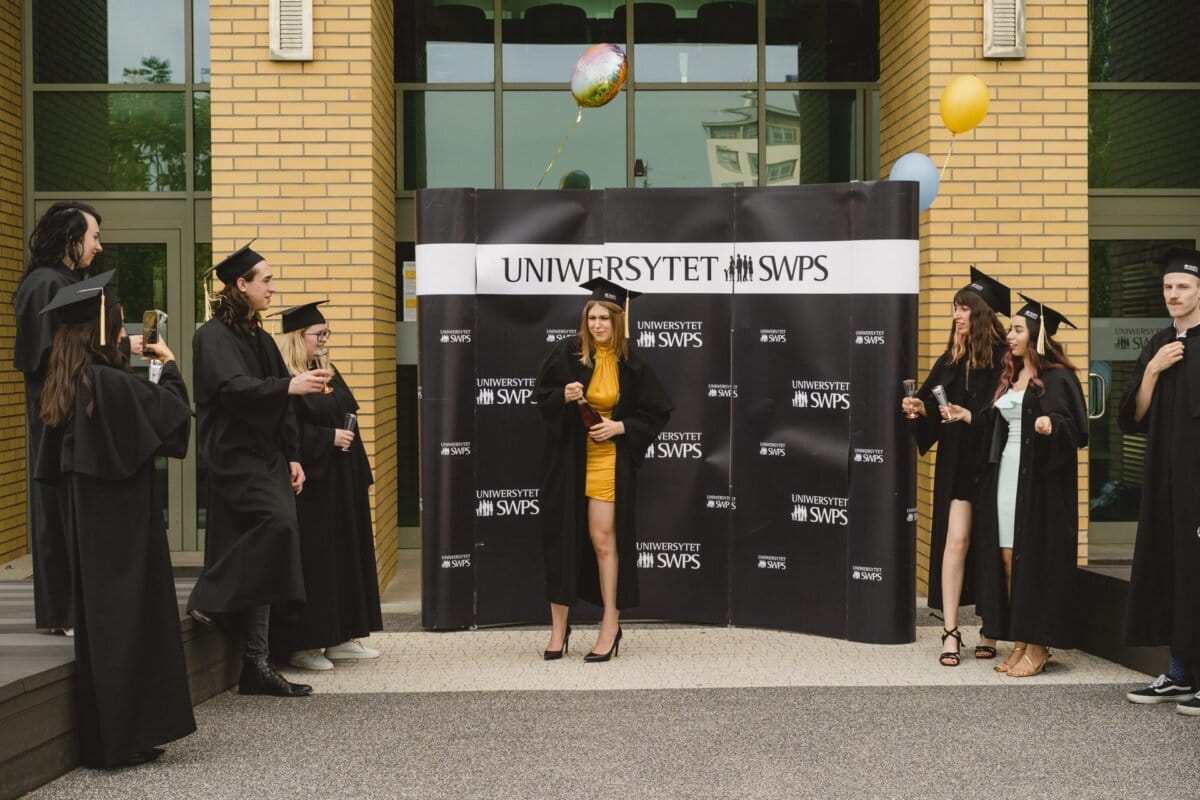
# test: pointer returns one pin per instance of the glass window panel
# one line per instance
(202, 142)
(822, 40)
(204, 260)
(542, 41)
(109, 141)
(815, 130)
(449, 140)
(112, 41)
(1143, 139)
(1144, 40)
(445, 41)
(687, 41)
(201, 63)
(534, 126)
(677, 135)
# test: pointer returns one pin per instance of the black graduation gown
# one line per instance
(644, 407)
(337, 547)
(1046, 530)
(131, 678)
(1164, 591)
(31, 354)
(247, 435)
(972, 390)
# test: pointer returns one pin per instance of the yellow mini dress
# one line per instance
(601, 394)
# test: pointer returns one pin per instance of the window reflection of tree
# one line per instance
(146, 133)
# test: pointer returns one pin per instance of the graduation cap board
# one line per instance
(1180, 259)
(229, 269)
(303, 316)
(994, 293)
(85, 301)
(1047, 318)
(609, 292)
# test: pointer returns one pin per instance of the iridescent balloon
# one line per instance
(599, 74)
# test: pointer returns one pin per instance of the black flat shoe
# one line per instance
(594, 657)
(554, 655)
(263, 679)
(144, 757)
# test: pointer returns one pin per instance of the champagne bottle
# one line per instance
(590, 415)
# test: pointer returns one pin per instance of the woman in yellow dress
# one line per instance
(589, 494)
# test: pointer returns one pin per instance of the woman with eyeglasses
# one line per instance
(337, 547)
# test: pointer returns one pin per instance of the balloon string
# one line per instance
(561, 145)
(946, 161)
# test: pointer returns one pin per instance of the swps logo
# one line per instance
(670, 333)
(870, 337)
(456, 448)
(668, 555)
(507, 503)
(457, 561)
(677, 444)
(504, 391)
(778, 563)
(834, 395)
(869, 574)
(820, 510)
(867, 455)
(773, 335)
(455, 336)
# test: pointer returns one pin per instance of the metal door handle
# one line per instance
(1103, 394)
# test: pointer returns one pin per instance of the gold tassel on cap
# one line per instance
(1041, 340)
(209, 288)
(103, 326)
(627, 317)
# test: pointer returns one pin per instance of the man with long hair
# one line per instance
(62, 247)
(250, 444)
(1162, 401)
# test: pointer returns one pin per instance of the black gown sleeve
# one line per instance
(928, 428)
(224, 375)
(552, 376)
(133, 420)
(649, 415)
(34, 330)
(1063, 403)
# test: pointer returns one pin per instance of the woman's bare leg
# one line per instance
(603, 531)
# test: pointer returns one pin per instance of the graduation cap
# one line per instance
(236, 264)
(1047, 318)
(85, 301)
(994, 293)
(609, 292)
(1180, 259)
(300, 317)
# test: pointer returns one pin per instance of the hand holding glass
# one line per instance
(351, 424)
(910, 390)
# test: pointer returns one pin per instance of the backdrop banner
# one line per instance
(781, 321)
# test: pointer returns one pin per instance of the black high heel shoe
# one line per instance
(594, 657)
(554, 655)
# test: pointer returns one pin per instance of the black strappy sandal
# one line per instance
(984, 651)
(951, 658)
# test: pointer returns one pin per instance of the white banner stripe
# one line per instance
(839, 267)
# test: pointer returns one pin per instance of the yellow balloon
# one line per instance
(964, 103)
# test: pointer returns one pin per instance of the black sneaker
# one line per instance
(1163, 690)
(1191, 707)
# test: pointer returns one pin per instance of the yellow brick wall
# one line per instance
(12, 249)
(303, 159)
(1014, 199)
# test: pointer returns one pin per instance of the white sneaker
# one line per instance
(310, 659)
(351, 649)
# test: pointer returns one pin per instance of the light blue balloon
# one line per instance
(920, 168)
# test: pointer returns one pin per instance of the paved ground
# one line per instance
(685, 712)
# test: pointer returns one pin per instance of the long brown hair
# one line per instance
(231, 307)
(1011, 366)
(74, 349)
(984, 332)
(619, 343)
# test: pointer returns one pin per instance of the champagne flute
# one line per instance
(350, 423)
(323, 363)
(910, 390)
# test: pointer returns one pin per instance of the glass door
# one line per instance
(147, 266)
(1126, 309)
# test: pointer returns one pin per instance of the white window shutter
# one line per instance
(291, 30)
(1003, 28)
